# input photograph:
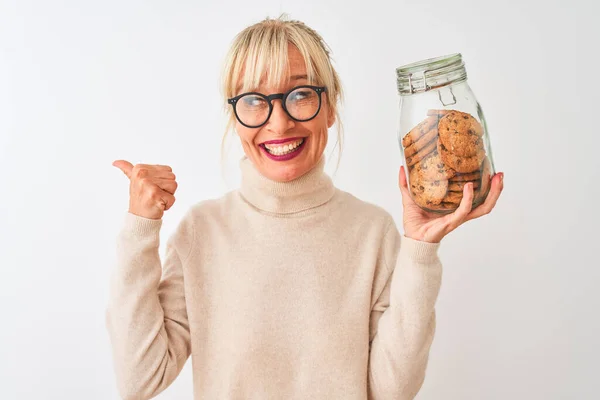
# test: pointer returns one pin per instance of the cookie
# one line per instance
(461, 142)
(433, 168)
(453, 197)
(426, 193)
(415, 133)
(460, 164)
(421, 143)
(462, 122)
(471, 176)
(444, 206)
(486, 180)
(459, 186)
(431, 146)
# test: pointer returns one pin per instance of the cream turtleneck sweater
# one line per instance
(292, 290)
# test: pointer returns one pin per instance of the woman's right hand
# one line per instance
(151, 188)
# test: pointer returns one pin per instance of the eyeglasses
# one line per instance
(254, 109)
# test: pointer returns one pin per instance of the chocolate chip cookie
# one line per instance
(471, 176)
(444, 206)
(458, 163)
(426, 193)
(461, 122)
(424, 152)
(422, 128)
(420, 143)
(433, 168)
(459, 186)
(453, 197)
(457, 138)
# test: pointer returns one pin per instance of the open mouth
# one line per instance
(284, 150)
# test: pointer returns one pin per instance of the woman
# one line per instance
(283, 289)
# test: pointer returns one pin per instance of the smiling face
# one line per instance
(284, 149)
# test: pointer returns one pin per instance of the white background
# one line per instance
(83, 83)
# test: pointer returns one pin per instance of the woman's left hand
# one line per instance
(429, 227)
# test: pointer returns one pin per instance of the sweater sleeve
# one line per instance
(403, 317)
(146, 316)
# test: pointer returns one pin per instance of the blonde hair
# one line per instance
(261, 51)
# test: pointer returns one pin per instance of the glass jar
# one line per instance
(443, 136)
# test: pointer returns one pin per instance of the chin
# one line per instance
(286, 173)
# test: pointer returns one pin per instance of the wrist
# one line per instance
(422, 237)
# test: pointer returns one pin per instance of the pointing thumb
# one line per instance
(124, 166)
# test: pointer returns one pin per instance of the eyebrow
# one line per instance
(298, 77)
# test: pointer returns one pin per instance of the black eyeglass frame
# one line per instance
(283, 96)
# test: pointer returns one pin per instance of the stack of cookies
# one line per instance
(443, 153)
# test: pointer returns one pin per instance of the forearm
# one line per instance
(146, 360)
(400, 349)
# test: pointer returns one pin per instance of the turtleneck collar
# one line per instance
(308, 191)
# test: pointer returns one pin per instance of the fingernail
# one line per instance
(501, 177)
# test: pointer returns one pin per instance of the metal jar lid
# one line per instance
(429, 74)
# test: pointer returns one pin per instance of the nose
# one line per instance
(280, 121)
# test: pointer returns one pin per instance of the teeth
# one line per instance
(285, 149)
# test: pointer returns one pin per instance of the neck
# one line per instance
(310, 190)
